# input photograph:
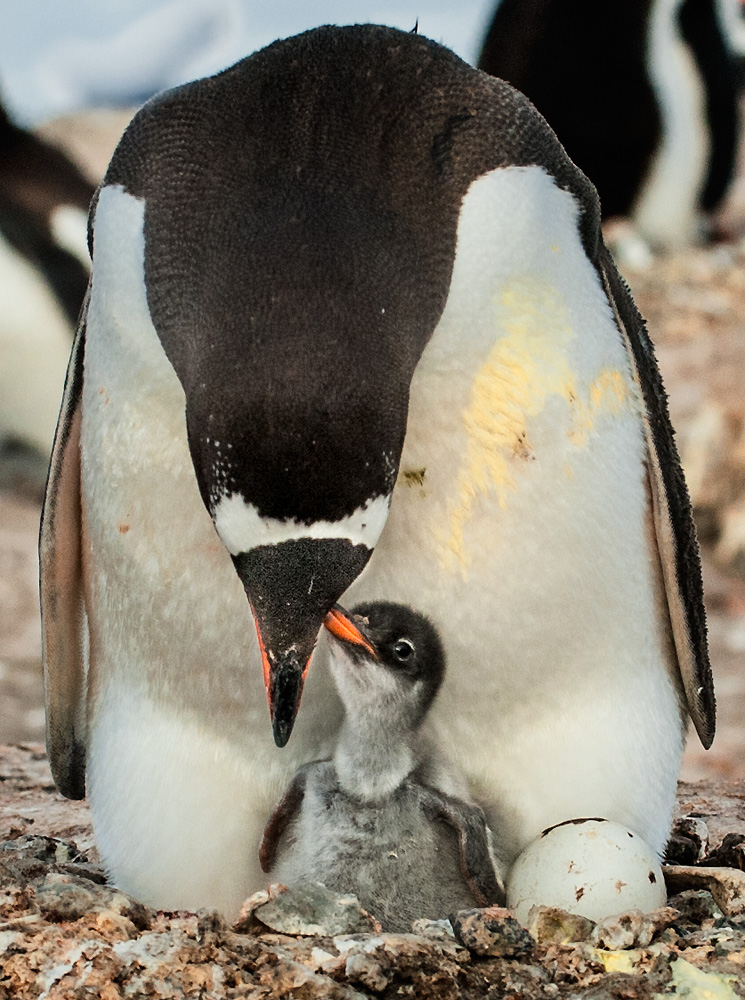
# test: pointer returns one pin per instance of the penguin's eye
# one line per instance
(403, 650)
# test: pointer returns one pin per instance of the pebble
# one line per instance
(695, 906)
(633, 929)
(689, 841)
(312, 909)
(492, 931)
(730, 853)
(62, 897)
(727, 885)
(551, 924)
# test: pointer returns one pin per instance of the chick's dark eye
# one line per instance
(403, 650)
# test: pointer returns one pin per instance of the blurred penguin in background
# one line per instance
(643, 96)
(44, 268)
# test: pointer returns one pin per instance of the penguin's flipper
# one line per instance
(477, 862)
(672, 521)
(61, 589)
(280, 819)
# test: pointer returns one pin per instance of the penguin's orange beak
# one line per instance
(267, 667)
(339, 624)
(284, 681)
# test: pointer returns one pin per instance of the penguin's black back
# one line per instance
(585, 66)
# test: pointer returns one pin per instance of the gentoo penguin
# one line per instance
(366, 822)
(642, 95)
(43, 277)
(352, 330)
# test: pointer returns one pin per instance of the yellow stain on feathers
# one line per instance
(528, 364)
(609, 391)
(608, 394)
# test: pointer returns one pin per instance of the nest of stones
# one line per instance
(65, 933)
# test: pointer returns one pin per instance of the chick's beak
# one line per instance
(341, 626)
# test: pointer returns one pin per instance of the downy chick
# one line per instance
(366, 822)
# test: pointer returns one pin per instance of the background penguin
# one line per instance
(44, 268)
(641, 94)
(352, 326)
(366, 822)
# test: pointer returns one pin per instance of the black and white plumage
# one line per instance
(352, 327)
(642, 95)
(44, 270)
(367, 822)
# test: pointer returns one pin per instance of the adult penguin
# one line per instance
(352, 329)
(44, 199)
(642, 95)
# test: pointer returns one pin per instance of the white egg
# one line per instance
(593, 867)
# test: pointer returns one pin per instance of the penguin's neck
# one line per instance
(372, 759)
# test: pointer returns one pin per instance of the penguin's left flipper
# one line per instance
(61, 589)
(672, 521)
(477, 862)
(281, 818)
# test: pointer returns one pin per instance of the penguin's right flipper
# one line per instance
(477, 862)
(671, 519)
(61, 589)
(280, 819)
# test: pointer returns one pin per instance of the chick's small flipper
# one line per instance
(280, 819)
(478, 865)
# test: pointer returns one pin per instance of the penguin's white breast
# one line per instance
(519, 520)
(524, 420)
(170, 619)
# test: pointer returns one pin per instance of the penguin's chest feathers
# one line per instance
(522, 481)
(35, 338)
(524, 395)
(528, 406)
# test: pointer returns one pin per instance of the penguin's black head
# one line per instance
(296, 420)
(300, 224)
(390, 655)
(293, 282)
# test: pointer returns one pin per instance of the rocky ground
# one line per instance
(65, 934)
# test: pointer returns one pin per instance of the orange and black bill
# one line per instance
(290, 586)
(284, 679)
(341, 626)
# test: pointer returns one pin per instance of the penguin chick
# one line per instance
(366, 822)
